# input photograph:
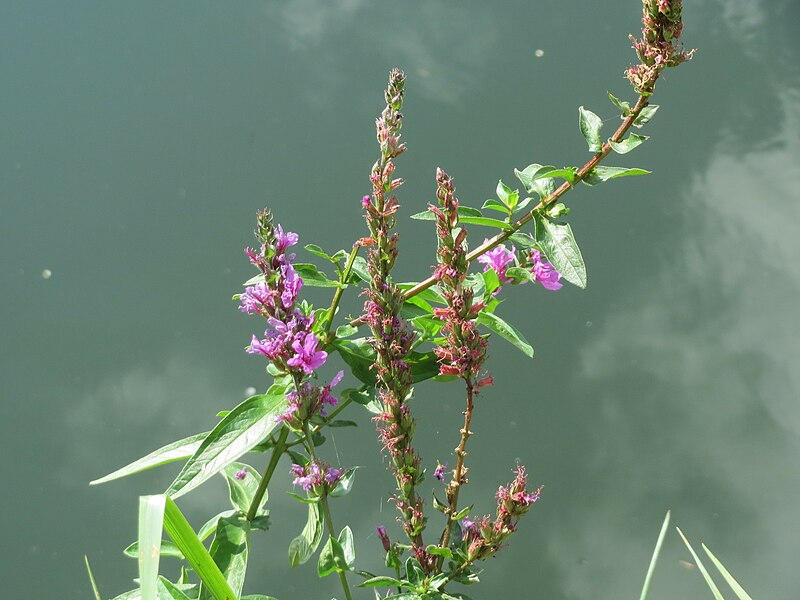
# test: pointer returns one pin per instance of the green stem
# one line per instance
(563, 189)
(337, 295)
(327, 420)
(326, 511)
(277, 452)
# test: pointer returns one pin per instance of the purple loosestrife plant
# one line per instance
(453, 312)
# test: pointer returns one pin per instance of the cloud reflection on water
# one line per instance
(713, 401)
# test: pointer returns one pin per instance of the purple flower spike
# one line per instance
(545, 273)
(365, 202)
(308, 357)
(498, 258)
(241, 474)
(438, 473)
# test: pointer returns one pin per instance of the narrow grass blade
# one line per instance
(654, 559)
(151, 522)
(180, 450)
(738, 589)
(94, 585)
(178, 528)
(712, 586)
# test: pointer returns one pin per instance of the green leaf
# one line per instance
(559, 246)
(359, 356)
(437, 551)
(629, 143)
(95, 589)
(507, 196)
(170, 591)
(414, 572)
(493, 204)
(462, 513)
(654, 558)
(244, 427)
(438, 504)
(180, 450)
(178, 528)
(486, 222)
(317, 251)
(304, 545)
(331, 558)
(590, 124)
(380, 581)
(737, 589)
(463, 212)
(710, 582)
(342, 423)
(210, 526)
(601, 174)
(229, 551)
(506, 331)
(258, 597)
(345, 331)
(491, 281)
(344, 485)
(167, 549)
(151, 522)
(313, 277)
(523, 240)
(242, 491)
(360, 268)
(348, 547)
(625, 107)
(647, 113)
(534, 178)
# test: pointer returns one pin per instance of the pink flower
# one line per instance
(308, 357)
(544, 272)
(498, 258)
(241, 474)
(438, 473)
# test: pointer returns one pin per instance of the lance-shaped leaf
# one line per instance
(229, 551)
(180, 450)
(312, 276)
(463, 211)
(240, 430)
(624, 106)
(654, 559)
(304, 545)
(629, 143)
(600, 174)
(647, 113)
(590, 124)
(506, 331)
(559, 246)
(738, 589)
(348, 547)
(167, 549)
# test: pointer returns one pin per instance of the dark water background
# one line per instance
(138, 140)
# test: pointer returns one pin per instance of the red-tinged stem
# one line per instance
(563, 189)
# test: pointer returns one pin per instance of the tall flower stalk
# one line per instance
(391, 337)
(463, 350)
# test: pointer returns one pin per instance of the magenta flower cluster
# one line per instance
(288, 340)
(316, 477)
(307, 401)
(500, 258)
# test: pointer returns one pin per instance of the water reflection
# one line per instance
(694, 380)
